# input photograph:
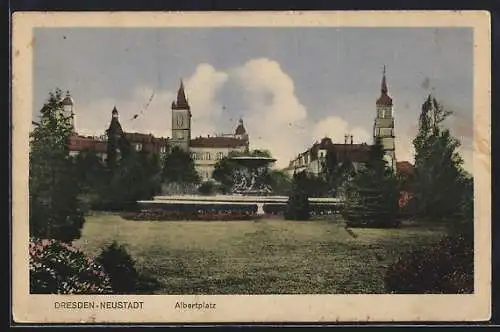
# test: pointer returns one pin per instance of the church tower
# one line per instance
(68, 104)
(181, 120)
(383, 127)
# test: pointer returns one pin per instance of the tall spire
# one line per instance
(384, 98)
(181, 102)
(384, 83)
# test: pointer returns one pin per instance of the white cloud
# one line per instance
(201, 90)
(155, 117)
(275, 118)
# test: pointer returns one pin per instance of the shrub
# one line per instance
(444, 268)
(370, 208)
(207, 188)
(58, 268)
(120, 266)
(297, 207)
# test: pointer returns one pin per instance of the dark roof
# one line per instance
(80, 143)
(148, 141)
(144, 138)
(217, 142)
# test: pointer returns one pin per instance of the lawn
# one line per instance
(256, 257)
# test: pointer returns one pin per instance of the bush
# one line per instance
(444, 268)
(370, 208)
(58, 268)
(120, 266)
(207, 188)
(297, 207)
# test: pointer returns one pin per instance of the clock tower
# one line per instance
(383, 128)
(181, 120)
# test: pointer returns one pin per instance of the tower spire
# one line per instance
(384, 83)
(384, 98)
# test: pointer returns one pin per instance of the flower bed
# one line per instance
(162, 215)
(58, 268)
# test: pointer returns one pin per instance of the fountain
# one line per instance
(249, 190)
(248, 177)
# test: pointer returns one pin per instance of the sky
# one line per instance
(291, 86)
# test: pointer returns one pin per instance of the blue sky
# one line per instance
(292, 86)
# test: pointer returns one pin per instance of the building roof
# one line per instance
(217, 142)
(80, 143)
(144, 138)
(355, 152)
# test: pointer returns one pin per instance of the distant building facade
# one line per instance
(312, 160)
(205, 151)
(99, 144)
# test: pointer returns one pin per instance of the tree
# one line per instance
(440, 181)
(223, 173)
(179, 168)
(55, 211)
(280, 182)
(136, 177)
(372, 197)
(332, 172)
(297, 207)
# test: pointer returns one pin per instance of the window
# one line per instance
(207, 155)
(163, 149)
(138, 147)
(220, 155)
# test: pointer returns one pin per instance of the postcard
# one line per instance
(187, 167)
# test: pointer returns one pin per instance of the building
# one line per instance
(313, 158)
(206, 151)
(99, 144)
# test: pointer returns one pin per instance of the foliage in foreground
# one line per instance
(443, 268)
(55, 210)
(58, 268)
(120, 266)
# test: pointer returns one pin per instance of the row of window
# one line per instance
(207, 155)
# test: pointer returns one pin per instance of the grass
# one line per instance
(256, 257)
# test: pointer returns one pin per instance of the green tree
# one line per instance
(136, 177)
(280, 182)
(55, 211)
(440, 181)
(332, 172)
(297, 207)
(372, 198)
(92, 176)
(179, 168)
